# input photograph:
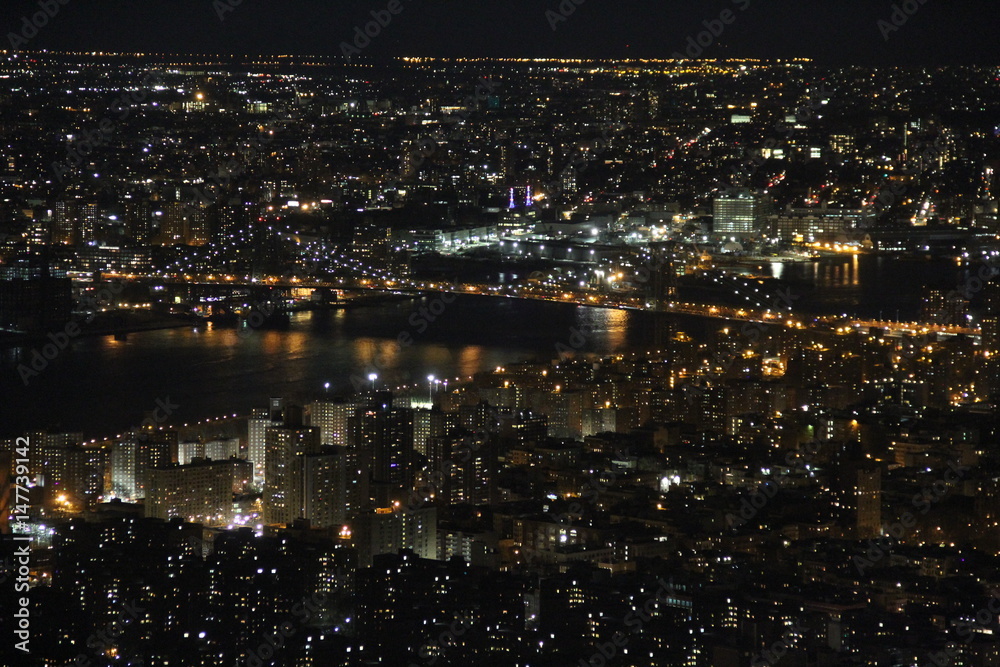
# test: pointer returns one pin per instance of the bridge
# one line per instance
(221, 284)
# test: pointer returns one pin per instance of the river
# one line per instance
(102, 386)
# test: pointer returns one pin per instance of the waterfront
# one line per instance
(102, 386)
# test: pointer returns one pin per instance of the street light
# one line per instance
(373, 377)
(430, 388)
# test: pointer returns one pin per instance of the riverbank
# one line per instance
(116, 323)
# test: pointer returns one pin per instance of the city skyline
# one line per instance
(922, 32)
(366, 357)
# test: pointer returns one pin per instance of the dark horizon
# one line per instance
(848, 33)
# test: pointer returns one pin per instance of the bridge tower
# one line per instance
(664, 292)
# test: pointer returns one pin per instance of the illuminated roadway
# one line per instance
(582, 298)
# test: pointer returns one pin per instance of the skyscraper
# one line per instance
(382, 436)
(330, 417)
(868, 507)
(324, 487)
(260, 420)
(429, 423)
(283, 486)
(135, 453)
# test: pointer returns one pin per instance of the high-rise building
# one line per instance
(220, 450)
(260, 420)
(942, 305)
(182, 224)
(467, 465)
(233, 223)
(739, 212)
(45, 462)
(201, 492)
(286, 446)
(330, 417)
(140, 223)
(386, 530)
(324, 492)
(383, 437)
(82, 476)
(868, 503)
(189, 451)
(991, 317)
(216, 450)
(521, 427)
(134, 454)
(429, 423)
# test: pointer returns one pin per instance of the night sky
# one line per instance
(832, 31)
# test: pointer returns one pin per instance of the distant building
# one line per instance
(283, 487)
(260, 420)
(324, 488)
(447, 239)
(136, 453)
(330, 417)
(33, 299)
(740, 212)
(387, 530)
(81, 479)
(808, 225)
(942, 305)
(868, 507)
(201, 492)
(430, 423)
(216, 450)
